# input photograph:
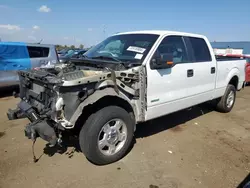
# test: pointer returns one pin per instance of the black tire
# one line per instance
(222, 102)
(89, 134)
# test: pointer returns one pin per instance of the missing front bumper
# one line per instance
(38, 127)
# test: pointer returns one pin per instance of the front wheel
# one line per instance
(107, 135)
(226, 102)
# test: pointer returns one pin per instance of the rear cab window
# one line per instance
(38, 52)
(198, 49)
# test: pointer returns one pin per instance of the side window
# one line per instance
(38, 52)
(201, 52)
(173, 45)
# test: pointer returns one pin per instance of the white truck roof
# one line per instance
(162, 32)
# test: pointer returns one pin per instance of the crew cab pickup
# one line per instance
(128, 78)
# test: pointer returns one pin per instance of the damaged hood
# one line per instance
(59, 74)
(78, 72)
(67, 74)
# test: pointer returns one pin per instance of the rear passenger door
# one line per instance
(38, 55)
(203, 70)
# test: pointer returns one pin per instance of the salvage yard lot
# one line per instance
(192, 148)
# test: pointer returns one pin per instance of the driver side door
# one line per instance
(167, 89)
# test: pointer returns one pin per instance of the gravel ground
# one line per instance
(191, 148)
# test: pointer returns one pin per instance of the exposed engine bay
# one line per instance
(53, 98)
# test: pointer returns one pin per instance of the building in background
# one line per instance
(231, 48)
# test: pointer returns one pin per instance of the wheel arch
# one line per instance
(234, 81)
(99, 100)
(233, 78)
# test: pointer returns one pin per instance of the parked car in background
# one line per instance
(15, 56)
(79, 53)
(248, 71)
(72, 54)
(62, 52)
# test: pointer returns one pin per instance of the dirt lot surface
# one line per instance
(191, 148)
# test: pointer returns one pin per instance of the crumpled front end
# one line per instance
(53, 99)
(49, 101)
(43, 96)
(41, 104)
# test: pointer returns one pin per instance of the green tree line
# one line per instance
(60, 47)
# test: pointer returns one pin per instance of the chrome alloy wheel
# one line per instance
(112, 137)
(230, 99)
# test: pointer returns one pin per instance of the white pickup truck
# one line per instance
(126, 79)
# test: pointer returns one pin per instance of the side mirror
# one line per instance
(162, 61)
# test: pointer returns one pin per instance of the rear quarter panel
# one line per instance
(226, 70)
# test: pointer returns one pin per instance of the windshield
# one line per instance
(126, 48)
(78, 54)
(63, 51)
(69, 53)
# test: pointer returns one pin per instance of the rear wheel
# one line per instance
(226, 102)
(107, 135)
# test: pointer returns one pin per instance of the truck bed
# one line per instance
(225, 69)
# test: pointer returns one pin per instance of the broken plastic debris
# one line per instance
(170, 151)
(196, 123)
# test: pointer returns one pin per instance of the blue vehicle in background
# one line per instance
(15, 56)
(72, 54)
(63, 52)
